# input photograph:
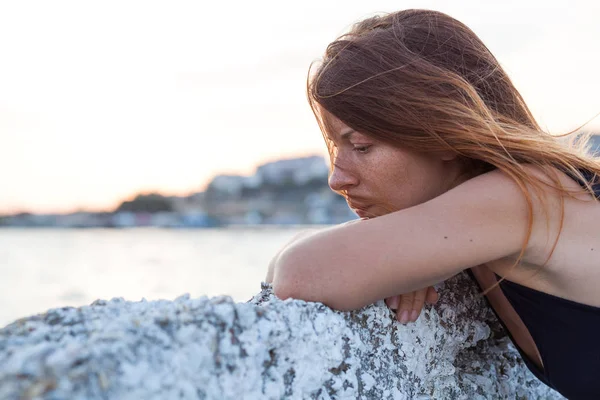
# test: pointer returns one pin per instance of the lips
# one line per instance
(354, 203)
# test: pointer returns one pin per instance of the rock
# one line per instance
(264, 349)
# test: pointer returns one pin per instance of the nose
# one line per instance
(342, 178)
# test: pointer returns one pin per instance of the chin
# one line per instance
(363, 214)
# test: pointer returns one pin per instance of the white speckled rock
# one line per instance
(264, 349)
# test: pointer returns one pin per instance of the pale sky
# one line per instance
(101, 100)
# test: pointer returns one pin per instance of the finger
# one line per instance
(405, 307)
(418, 303)
(392, 302)
(432, 295)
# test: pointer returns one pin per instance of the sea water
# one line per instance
(48, 268)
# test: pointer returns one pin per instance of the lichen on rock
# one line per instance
(264, 349)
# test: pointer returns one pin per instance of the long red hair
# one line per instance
(422, 80)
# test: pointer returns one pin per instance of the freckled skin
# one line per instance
(380, 178)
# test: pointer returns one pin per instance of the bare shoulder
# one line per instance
(570, 222)
(562, 255)
(547, 205)
(558, 215)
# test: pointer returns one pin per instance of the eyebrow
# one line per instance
(347, 134)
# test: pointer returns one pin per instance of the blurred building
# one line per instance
(595, 144)
(296, 171)
(282, 192)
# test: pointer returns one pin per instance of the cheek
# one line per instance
(394, 181)
(396, 171)
(410, 185)
(394, 177)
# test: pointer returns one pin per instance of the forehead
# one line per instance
(338, 131)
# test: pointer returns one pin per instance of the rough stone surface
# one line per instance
(264, 349)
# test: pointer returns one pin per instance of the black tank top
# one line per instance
(566, 333)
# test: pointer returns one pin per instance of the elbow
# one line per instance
(289, 280)
(295, 279)
(300, 289)
(283, 287)
(292, 289)
(283, 290)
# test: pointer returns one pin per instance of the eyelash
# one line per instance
(361, 149)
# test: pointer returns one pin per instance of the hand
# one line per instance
(408, 306)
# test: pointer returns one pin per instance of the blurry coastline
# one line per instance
(291, 191)
(284, 192)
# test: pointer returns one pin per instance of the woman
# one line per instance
(436, 151)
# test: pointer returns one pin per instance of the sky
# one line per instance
(103, 100)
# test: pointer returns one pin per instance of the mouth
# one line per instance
(361, 210)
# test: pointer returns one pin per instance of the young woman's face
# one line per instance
(380, 178)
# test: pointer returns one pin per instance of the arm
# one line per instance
(348, 267)
(301, 235)
(407, 307)
(271, 269)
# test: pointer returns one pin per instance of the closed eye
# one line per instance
(361, 149)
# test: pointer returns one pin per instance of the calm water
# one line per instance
(45, 268)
